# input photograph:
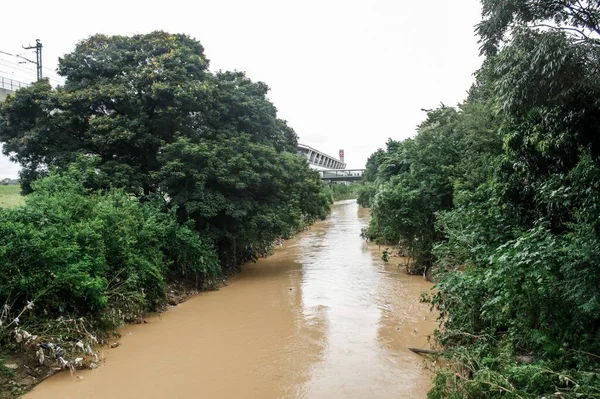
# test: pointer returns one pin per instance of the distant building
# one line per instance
(319, 160)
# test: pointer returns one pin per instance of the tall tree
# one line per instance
(124, 98)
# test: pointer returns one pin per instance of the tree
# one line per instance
(243, 194)
(153, 119)
(547, 89)
(124, 98)
(372, 166)
(415, 179)
(237, 104)
(580, 19)
(518, 266)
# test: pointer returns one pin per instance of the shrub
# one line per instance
(74, 252)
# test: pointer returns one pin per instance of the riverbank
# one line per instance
(19, 372)
(323, 315)
(20, 368)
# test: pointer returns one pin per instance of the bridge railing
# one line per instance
(12, 85)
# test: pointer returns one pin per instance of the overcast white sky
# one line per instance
(344, 73)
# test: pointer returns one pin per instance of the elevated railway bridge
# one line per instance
(330, 168)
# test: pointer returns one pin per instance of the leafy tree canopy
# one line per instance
(580, 19)
(151, 117)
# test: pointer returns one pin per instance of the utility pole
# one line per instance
(38, 57)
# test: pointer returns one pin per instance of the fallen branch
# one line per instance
(420, 351)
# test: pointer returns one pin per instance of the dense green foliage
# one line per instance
(243, 194)
(502, 197)
(76, 252)
(413, 180)
(153, 120)
(144, 169)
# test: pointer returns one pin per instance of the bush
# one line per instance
(366, 193)
(80, 253)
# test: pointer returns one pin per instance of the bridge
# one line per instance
(319, 160)
(336, 175)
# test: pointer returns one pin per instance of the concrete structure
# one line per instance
(319, 160)
(8, 86)
(346, 175)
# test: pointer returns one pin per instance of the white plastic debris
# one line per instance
(26, 335)
(29, 305)
(16, 321)
(78, 361)
(18, 337)
(80, 345)
(40, 355)
(63, 363)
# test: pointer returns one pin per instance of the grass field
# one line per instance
(10, 196)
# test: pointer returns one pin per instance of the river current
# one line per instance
(324, 317)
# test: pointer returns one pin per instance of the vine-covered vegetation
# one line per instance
(500, 196)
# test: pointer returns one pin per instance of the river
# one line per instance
(323, 317)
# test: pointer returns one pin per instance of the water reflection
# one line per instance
(372, 312)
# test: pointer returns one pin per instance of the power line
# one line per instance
(23, 69)
(57, 78)
(23, 72)
(17, 66)
(20, 56)
(6, 72)
(38, 52)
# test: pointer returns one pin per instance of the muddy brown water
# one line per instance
(322, 318)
